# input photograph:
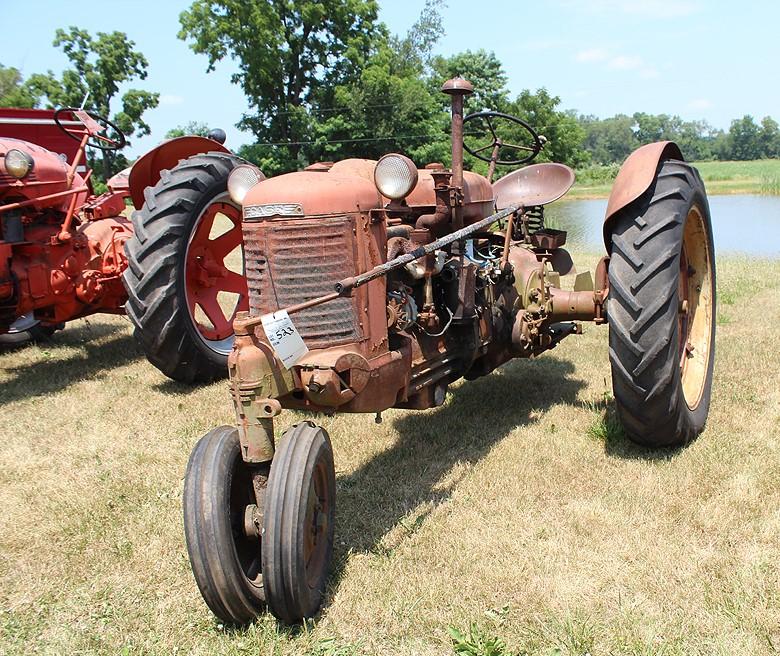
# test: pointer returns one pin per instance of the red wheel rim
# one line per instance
(207, 275)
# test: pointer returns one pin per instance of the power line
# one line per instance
(363, 140)
(325, 110)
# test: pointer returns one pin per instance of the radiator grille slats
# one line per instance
(295, 260)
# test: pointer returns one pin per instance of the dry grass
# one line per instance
(516, 514)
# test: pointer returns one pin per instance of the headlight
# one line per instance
(241, 180)
(395, 176)
(18, 163)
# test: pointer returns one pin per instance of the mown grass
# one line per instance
(513, 520)
(753, 177)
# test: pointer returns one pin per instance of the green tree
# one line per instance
(656, 127)
(13, 91)
(100, 66)
(390, 106)
(483, 69)
(290, 54)
(609, 140)
(769, 137)
(413, 53)
(191, 128)
(697, 140)
(562, 130)
(743, 141)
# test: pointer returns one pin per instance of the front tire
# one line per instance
(28, 330)
(225, 561)
(177, 270)
(661, 309)
(300, 506)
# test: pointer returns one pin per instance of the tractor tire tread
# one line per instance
(643, 305)
(155, 305)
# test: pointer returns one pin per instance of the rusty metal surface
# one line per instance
(538, 184)
(291, 262)
(316, 193)
(457, 86)
(342, 230)
(146, 171)
(635, 177)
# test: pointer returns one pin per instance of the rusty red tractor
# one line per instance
(64, 250)
(375, 285)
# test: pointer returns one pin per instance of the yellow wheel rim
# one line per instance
(696, 311)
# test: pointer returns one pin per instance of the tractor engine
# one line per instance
(401, 339)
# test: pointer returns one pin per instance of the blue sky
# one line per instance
(710, 59)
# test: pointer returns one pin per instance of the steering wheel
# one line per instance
(93, 124)
(497, 144)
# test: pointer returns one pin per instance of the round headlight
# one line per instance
(395, 176)
(241, 180)
(18, 163)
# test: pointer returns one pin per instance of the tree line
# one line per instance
(325, 80)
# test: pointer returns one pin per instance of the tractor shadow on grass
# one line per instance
(375, 499)
(99, 348)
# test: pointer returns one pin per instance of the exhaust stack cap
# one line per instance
(458, 85)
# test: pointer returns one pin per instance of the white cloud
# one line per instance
(699, 104)
(625, 63)
(170, 99)
(592, 55)
(617, 62)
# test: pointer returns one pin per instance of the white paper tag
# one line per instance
(284, 337)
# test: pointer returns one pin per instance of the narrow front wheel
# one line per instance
(224, 550)
(299, 515)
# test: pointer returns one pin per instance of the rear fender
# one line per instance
(635, 177)
(146, 171)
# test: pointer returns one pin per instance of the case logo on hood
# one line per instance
(273, 209)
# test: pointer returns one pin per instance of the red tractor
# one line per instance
(376, 284)
(63, 250)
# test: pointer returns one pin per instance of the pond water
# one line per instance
(740, 224)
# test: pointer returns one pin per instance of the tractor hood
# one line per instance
(47, 176)
(347, 186)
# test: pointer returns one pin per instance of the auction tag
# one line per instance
(284, 337)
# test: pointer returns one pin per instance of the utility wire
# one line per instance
(438, 137)
(325, 110)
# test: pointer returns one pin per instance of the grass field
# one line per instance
(515, 517)
(753, 177)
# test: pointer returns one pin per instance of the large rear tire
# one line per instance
(177, 272)
(661, 309)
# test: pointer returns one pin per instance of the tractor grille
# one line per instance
(295, 260)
